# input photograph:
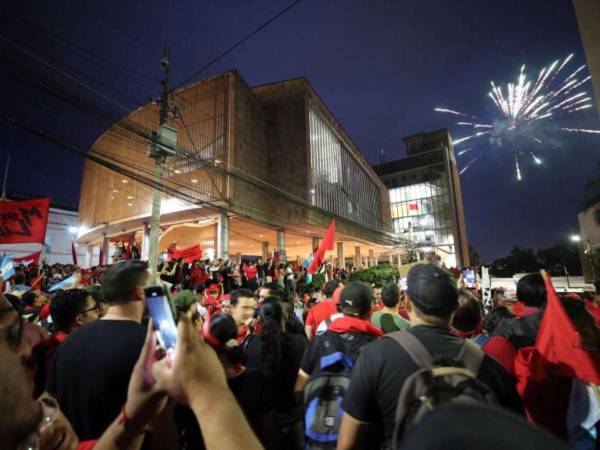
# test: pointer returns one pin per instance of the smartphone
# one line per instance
(469, 277)
(162, 317)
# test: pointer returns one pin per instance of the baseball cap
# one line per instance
(183, 300)
(432, 289)
(356, 299)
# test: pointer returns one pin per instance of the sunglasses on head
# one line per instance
(14, 330)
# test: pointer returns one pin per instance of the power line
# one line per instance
(63, 72)
(238, 43)
(85, 52)
(255, 181)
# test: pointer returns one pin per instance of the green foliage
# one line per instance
(378, 275)
(317, 281)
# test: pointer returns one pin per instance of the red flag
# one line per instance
(559, 342)
(413, 206)
(73, 252)
(23, 222)
(37, 283)
(189, 254)
(326, 244)
(34, 258)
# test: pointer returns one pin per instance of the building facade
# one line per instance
(426, 198)
(253, 169)
(588, 18)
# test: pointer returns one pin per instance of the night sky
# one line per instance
(380, 66)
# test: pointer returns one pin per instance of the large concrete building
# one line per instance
(588, 18)
(426, 197)
(254, 169)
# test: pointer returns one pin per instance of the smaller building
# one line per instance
(426, 197)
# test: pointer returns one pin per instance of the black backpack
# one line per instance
(327, 386)
(432, 386)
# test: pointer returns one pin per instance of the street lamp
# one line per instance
(575, 238)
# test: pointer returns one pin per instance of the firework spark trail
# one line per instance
(469, 164)
(464, 139)
(466, 150)
(579, 130)
(535, 158)
(474, 125)
(586, 79)
(579, 69)
(526, 102)
(580, 108)
(450, 111)
(567, 59)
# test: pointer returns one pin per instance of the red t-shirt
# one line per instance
(320, 312)
(198, 276)
(250, 272)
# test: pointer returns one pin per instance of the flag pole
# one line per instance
(5, 177)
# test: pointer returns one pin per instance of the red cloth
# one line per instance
(517, 308)
(37, 282)
(545, 393)
(403, 313)
(502, 351)
(189, 254)
(86, 445)
(349, 324)
(326, 244)
(45, 311)
(24, 221)
(250, 272)
(34, 258)
(198, 276)
(320, 312)
(559, 343)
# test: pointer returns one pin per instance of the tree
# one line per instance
(520, 260)
(474, 256)
(560, 255)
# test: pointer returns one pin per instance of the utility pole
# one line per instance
(165, 140)
(5, 177)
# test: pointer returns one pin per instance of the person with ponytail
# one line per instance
(277, 354)
(247, 384)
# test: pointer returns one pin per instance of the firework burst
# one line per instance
(526, 107)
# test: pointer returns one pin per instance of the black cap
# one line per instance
(356, 299)
(123, 277)
(432, 290)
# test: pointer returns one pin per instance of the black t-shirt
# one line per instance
(248, 389)
(90, 373)
(329, 342)
(383, 366)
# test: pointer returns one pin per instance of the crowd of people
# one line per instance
(258, 365)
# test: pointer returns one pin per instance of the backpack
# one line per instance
(387, 323)
(325, 390)
(431, 386)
